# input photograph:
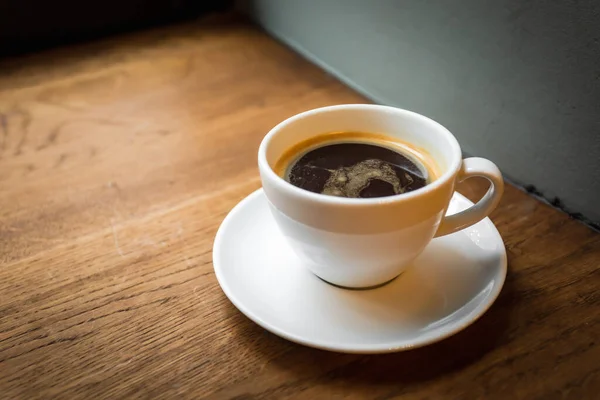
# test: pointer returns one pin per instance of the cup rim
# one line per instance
(282, 184)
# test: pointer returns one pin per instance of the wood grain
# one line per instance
(118, 161)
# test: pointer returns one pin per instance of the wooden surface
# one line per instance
(119, 160)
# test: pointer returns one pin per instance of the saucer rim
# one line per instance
(355, 349)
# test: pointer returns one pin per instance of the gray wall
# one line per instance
(516, 81)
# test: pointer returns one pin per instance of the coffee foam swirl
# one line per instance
(351, 181)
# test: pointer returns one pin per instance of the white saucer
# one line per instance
(450, 285)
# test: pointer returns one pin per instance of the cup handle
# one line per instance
(475, 166)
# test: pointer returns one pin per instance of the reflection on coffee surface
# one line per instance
(356, 170)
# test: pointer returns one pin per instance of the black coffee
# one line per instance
(357, 170)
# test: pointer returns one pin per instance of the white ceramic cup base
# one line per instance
(451, 284)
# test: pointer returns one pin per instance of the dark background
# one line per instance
(33, 25)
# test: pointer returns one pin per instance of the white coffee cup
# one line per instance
(360, 243)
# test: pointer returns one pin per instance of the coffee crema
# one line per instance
(356, 165)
